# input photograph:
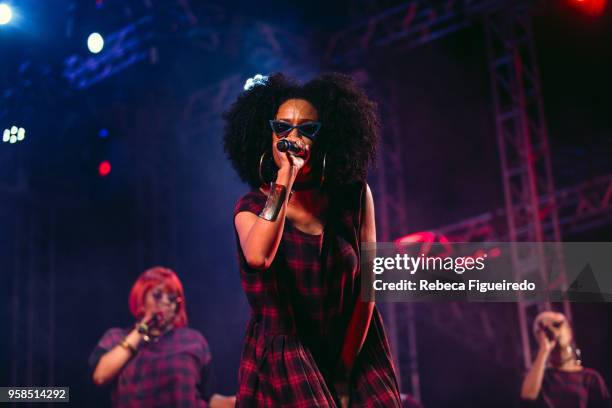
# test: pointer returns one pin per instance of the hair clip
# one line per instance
(256, 80)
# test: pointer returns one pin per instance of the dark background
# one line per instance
(169, 197)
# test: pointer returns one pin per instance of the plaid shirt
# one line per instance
(301, 307)
(172, 372)
(581, 389)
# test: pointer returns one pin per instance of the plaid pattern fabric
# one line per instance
(169, 373)
(581, 389)
(301, 308)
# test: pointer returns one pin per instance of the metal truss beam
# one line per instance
(585, 206)
(390, 199)
(413, 24)
(122, 49)
(524, 152)
(531, 213)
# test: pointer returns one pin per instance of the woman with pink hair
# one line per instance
(159, 361)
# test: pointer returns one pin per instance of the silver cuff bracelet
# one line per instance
(274, 202)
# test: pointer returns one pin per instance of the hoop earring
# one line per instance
(261, 159)
(577, 354)
(323, 170)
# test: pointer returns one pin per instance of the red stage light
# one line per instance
(590, 7)
(104, 168)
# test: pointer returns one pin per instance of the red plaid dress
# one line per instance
(301, 307)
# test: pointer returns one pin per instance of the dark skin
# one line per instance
(259, 238)
(306, 209)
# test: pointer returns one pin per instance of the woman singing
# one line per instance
(311, 341)
(557, 379)
(159, 362)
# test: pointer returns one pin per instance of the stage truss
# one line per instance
(532, 211)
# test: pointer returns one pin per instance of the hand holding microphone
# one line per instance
(149, 322)
(292, 154)
(547, 339)
(289, 146)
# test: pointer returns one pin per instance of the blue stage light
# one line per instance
(6, 14)
(95, 43)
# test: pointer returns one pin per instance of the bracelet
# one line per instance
(143, 329)
(128, 346)
(275, 201)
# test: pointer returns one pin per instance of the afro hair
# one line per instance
(347, 139)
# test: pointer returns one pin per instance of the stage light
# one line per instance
(591, 7)
(95, 43)
(13, 135)
(6, 14)
(103, 133)
(104, 168)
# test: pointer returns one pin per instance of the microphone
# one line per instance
(548, 332)
(150, 323)
(287, 145)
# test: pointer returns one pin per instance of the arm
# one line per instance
(221, 401)
(207, 383)
(260, 238)
(362, 314)
(111, 363)
(532, 384)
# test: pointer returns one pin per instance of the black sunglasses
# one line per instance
(307, 129)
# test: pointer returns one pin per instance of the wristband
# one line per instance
(126, 345)
(275, 201)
